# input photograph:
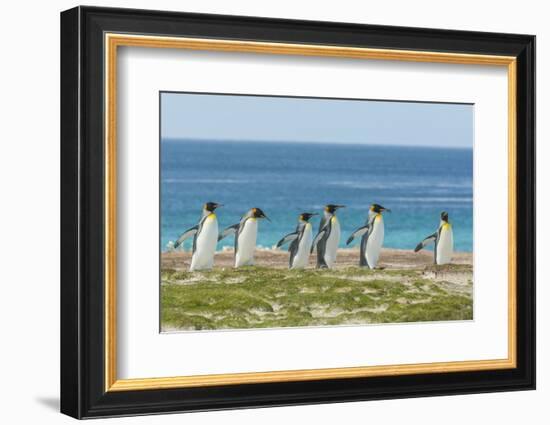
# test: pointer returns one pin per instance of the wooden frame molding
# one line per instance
(113, 41)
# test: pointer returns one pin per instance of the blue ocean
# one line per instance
(285, 179)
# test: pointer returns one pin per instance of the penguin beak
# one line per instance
(261, 214)
(218, 206)
(340, 206)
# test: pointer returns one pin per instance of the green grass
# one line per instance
(257, 297)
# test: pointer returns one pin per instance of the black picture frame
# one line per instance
(82, 212)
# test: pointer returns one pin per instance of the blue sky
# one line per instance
(286, 119)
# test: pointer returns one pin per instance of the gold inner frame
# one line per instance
(113, 41)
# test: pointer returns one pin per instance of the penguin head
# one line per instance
(306, 216)
(376, 208)
(444, 216)
(258, 213)
(211, 206)
(331, 208)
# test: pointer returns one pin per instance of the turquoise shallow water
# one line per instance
(285, 179)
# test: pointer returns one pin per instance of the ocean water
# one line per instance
(285, 179)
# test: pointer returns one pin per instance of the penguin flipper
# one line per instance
(293, 250)
(319, 236)
(287, 238)
(359, 232)
(427, 240)
(187, 234)
(231, 230)
(362, 254)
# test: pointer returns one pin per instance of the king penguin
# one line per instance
(443, 238)
(372, 237)
(328, 237)
(245, 232)
(204, 238)
(300, 242)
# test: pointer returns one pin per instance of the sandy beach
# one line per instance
(393, 259)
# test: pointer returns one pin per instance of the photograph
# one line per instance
(285, 211)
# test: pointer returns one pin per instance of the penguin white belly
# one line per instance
(332, 243)
(375, 241)
(301, 258)
(247, 244)
(445, 245)
(205, 247)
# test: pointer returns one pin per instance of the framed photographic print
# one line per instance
(261, 212)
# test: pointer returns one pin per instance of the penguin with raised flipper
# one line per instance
(300, 242)
(205, 235)
(443, 239)
(245, 231)
(372, 237)
(327, 239)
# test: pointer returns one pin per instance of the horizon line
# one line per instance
(195, 139)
